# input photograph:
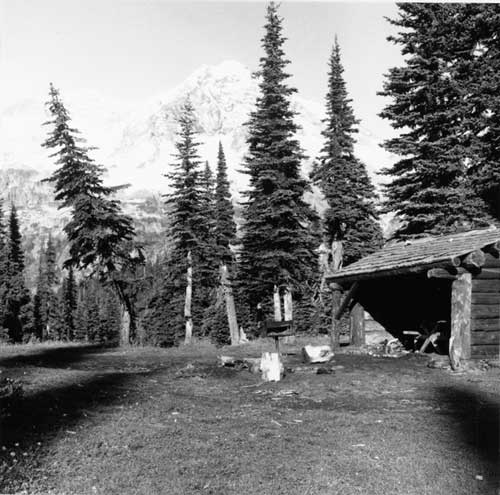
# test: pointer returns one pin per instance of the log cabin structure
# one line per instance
(448, 284)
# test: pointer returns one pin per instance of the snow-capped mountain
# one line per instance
(136, 142)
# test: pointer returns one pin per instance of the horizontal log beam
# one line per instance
(485, 338)
(489, 273)
(485, 324)
(486, 298)
(485, 350)
(345, 280)
(485, 310)
(441, 273)
(485, 285)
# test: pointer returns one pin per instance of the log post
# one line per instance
(232, 322)
(187, 306)
(460, 338)
(357, 325)
(335, 328)
(277, 304)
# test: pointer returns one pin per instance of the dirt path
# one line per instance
(152, 421)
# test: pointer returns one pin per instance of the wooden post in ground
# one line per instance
(277, 304)
(357, 325)
(187, 306)
(232, 322)
(335, 328)
(460, 338)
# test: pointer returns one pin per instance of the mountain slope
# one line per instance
(136, 142)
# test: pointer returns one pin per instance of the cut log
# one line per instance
(271, 367)
(317, 353)
(486, 311)
(474, 260)
(234, 332)
(187, 306)
(277, 304)
(450, 274)
(460, 339)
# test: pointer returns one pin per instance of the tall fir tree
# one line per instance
(225, 226)
(100, 234)
(5, 280)
(18, 316)
(277, 245)
(351, 215)
(189, 228)
(430, 189)
(473, 39)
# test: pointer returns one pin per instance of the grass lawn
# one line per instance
(153, 421)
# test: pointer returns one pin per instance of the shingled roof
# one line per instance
(415, 255)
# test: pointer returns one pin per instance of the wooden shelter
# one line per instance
(449, 283)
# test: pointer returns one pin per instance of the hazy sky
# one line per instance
(134, 50)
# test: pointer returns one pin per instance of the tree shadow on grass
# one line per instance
(38, 417)
(56, 357)
(477, 419)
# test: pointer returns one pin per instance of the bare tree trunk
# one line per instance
(125, 326)
(232, 322)
(277, 304)
(288, 303)
(337, 256)
(187, 306)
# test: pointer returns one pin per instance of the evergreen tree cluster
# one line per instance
(444, 99)
(201, 234)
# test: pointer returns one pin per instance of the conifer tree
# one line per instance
(225, 226)
(473, 40)
(5, 281)
(276, 245)
(343, 179)
(189, 228)
(429, 189)
(18, 298)
(100, 234)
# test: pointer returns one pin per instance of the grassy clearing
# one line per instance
(154, 421)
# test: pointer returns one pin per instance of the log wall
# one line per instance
(485, 310)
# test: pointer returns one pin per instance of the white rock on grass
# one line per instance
(317, 353)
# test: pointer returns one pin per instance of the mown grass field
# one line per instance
(153, 421)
